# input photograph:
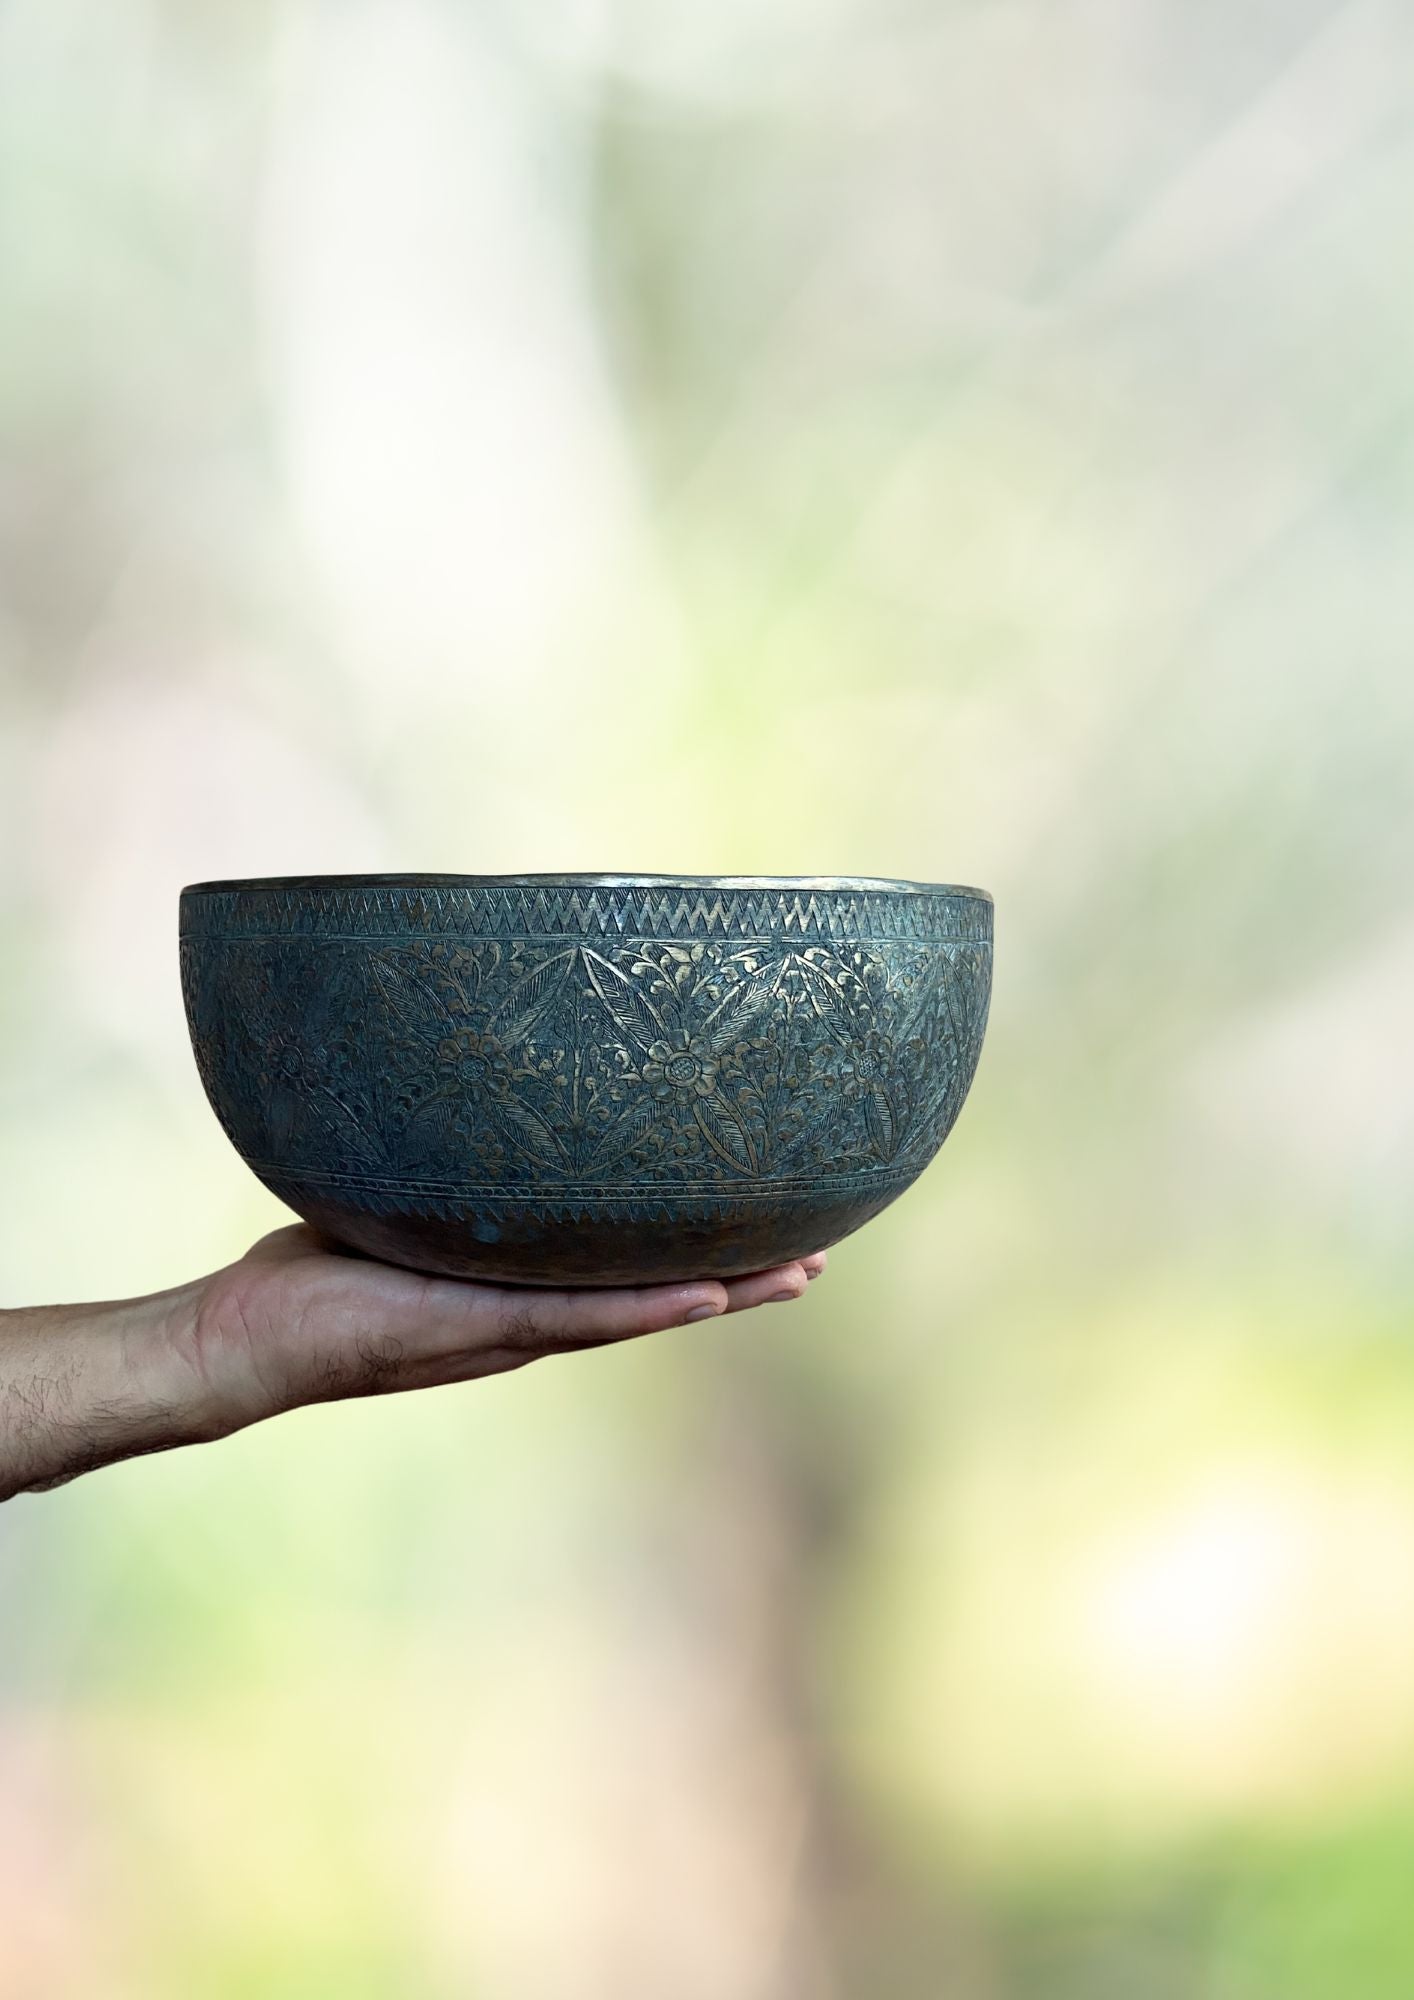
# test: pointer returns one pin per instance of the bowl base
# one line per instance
(508, 1245)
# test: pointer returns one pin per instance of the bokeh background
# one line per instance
(960, 439)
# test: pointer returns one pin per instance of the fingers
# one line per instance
(762, 1288)
(501, 1326)
(292, 1324)
(777, 1286)
(544, 1322)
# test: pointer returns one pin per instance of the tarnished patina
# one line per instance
(586, 1079)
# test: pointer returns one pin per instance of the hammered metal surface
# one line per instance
(585, 1080)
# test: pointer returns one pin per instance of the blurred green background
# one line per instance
(966, 441)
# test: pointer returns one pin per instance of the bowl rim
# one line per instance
(848, 884)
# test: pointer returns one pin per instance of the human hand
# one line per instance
(294, 1321)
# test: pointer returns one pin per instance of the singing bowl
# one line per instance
(585, 1079)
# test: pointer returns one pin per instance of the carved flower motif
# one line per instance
(468, 1056)
(869, 1065)
(294, 1076)
(285, 1059)
(685, 1066)
(289, 1062)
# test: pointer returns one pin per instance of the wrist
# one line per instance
(84, 1385)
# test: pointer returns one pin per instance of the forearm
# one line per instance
(292, 1323)
(84, 1385)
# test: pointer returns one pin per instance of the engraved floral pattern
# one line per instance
(585, 1083)
(687, 1063)
(521, 1061)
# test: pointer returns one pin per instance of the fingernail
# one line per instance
(779, 1298)
(814, 1271)
(701, 1312)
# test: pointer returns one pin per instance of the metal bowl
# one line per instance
(586, 1079)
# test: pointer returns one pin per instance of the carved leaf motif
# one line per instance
(959, 997)
(955, 1040)
(631, 1011)
(827, 994)
(823, 1011)
(438, 1110)
(280, 1118)
(628, 1128)
(726, 1135)
(345, 1124)
(526, 1131)
(532, 997)
(409, 994)
(739, 1006)
(439, 1103)
(459, 975)
(883, 1127)
(912, 1003)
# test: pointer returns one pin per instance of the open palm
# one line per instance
(297, 1320)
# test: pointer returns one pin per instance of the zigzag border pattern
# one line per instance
(521, 912)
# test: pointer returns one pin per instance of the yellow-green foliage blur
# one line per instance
(959, 441)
